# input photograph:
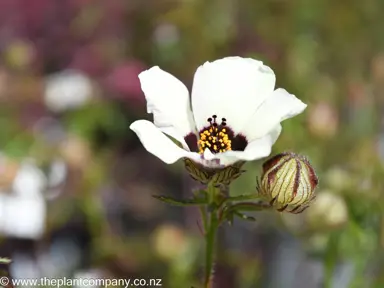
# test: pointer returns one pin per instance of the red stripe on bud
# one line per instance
(288, 182)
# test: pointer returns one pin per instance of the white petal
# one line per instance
(30, 220)
(168, 100)
(208, 155)
(155, 142)
(279, 106)
(30, 181)
(67, 90)
(258, 148)
(230, 88)
(175, 134)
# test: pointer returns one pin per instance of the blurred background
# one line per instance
(76, 184)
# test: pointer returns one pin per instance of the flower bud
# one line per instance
(288, 182)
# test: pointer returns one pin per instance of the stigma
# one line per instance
(216, 137)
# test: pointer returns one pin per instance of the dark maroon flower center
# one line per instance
(217, 137)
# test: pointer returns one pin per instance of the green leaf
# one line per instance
(181, 202)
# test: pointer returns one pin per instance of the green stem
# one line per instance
(181, 202)
(210, 248)
(203, 213)
(210, 236)
(243, 197)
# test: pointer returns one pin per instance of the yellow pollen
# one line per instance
(214, 138)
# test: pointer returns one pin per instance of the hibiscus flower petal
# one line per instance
(277, 107)
(231, 88)
(155, 142)
(168, 101)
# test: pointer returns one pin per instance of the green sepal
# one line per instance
(227, 175)
(250, 206)
(181, 202)
(197, 171)
(244, 217)
(213, 176)
(229, 215)
(228, 212)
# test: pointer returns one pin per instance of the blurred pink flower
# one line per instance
(124, 81)
(88, 60)
(31, 113)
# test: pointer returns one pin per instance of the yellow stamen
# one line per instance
(217, 140)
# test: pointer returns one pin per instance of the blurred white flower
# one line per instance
(88, 274)
(30, 180)
(327, 211)
(24, 267)
(338, 179)
(235, 116)
(23, 212)
(67, 90)
(56, 177)
(22, 217)
(57, 173)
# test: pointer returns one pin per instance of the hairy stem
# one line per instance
(210, 235)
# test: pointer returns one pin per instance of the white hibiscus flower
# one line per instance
(235, 116)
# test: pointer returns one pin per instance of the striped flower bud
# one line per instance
(288, 182)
